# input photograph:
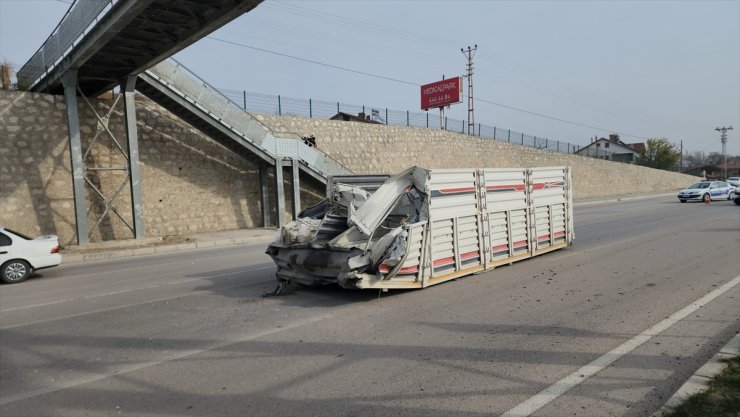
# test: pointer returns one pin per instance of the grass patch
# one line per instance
(721, 399)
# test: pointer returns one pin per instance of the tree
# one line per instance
(659, 154)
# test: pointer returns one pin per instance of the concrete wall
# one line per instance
(191, 184)
(371, 148)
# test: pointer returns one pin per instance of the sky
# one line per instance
(565, 70)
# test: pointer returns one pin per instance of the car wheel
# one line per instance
(705, 197)
(683, 201)
(14, 271)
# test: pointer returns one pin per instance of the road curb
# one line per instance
(700, 380)
(620, 199)
(104, 255)
(73, 258)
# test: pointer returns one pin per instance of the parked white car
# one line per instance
(734, 181)
(705, 190)
(21, 255)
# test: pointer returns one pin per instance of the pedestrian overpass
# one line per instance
(101, 45)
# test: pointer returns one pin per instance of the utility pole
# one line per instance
(724, 149)
(471, 115)
(442, 113)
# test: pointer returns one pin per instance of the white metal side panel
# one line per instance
(453, 193)
(505, 189)
(506, 204)
(542, 226)
(455, 219)
(442, 239)
(547, 185)
(550, 200)
(569, 232)
(467, 240)
(411, 268)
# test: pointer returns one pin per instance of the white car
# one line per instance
(20, 255)
(734, 181)
(706, 190)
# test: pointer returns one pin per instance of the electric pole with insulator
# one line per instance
(724, 149)
(471, 115)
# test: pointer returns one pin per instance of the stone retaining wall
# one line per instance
(369, 148)
(189, 182)
(192, 184)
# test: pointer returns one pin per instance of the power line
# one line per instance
(561, 120)
(520, 70)
(313, 62)
(418, 85)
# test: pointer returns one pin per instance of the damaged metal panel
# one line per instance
(422, 227)
(369, 183)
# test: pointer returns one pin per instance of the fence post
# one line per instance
(557, 146)
(522, 138)
(445, 122)
(508, 136)
(245, 99)
(463, 127)
(494, 133)
(407, 118)
(386, 116)
(280, 106)
(310, 109)
(546, 144)
(427, 119)
(534, 143)
(337, 107)
(479, 134)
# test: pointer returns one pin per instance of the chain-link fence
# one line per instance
(288, 106)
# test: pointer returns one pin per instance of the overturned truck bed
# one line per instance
(425, 226)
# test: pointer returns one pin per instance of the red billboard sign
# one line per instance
(441, 93)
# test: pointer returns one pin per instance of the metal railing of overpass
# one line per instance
(182, 81)
(80, 16)
(107, 40)
(185, 94)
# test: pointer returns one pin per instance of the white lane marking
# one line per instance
(181, 355)
(559, 388)
(107, 294)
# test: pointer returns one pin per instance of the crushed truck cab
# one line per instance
(425, 226)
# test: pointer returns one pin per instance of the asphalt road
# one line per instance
(604, 328)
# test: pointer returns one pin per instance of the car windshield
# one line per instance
(701, 185)
(21, 235)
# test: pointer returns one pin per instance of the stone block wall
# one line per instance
(192, 184)
(189, 182)
(370, 148)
